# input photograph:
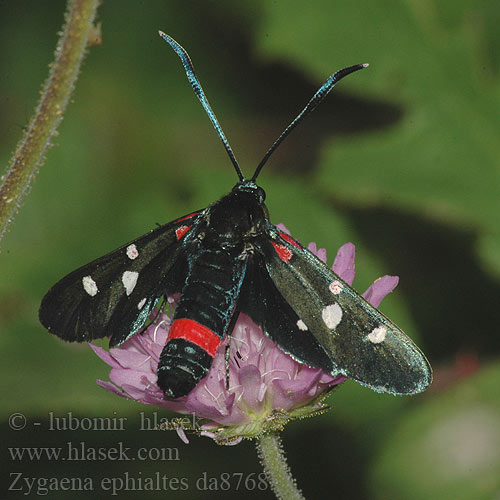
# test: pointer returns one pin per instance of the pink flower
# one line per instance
(266, 389)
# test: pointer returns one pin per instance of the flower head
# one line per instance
(259, 389)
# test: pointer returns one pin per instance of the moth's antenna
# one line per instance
(321, 93)
(188, 67)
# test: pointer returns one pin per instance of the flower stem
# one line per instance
(56, 92)
(271, 454)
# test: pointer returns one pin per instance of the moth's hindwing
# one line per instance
(114, 295)
(360, 341)
(263, 302)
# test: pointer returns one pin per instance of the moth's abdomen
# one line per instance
(200, 322)
(182, 365)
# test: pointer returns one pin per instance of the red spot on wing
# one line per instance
(290, 240)
(196, 333)
(181, 231)
(284, 253)
(186, 217)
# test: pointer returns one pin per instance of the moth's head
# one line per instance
(249, 194)
(252, 189)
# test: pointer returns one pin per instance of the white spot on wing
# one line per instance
(377, 335)
(140, 305)
(129, 280)
(132, 252)
(336, 287)
(332, 315)
(301, 325)
(89, 285)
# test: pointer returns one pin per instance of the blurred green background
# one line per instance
(403, 159)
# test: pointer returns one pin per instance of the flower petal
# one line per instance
(181, 433)
(319, 252)
(104, 355)
(131, 359)
(132, 378)
(344, 262)
(252, 385)
(380, 288)
(108, 386)
(283, 228)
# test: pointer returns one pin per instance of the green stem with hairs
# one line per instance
(30, 152)
(271, 454)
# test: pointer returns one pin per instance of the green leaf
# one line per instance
(449, 447)
(439, 62)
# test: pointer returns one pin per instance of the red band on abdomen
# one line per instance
(191, 330)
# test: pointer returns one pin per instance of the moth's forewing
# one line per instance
(114, 294)
(361, 342)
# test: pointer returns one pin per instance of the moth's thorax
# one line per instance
(239, 216)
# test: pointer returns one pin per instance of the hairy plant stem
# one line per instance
(30, 152)
(273, 460)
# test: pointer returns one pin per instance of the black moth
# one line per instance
(229, 259)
